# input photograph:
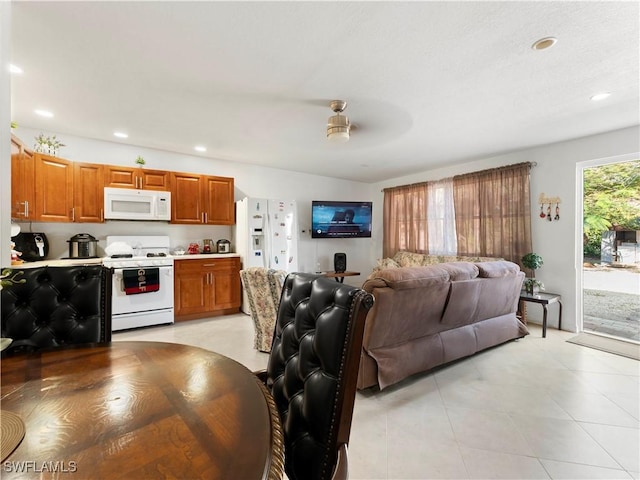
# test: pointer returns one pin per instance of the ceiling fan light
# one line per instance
(338, 129)
(337, 135)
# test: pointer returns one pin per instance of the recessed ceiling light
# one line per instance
(600, 96)
(120, 134)
(200, 148)
(44, 113)
(14, 69)
(544, 43)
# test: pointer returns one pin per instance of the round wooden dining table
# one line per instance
(139, 410)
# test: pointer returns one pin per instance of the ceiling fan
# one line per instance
(338, 126)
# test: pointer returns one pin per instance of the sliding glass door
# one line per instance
(611, 249)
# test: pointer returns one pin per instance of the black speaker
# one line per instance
(340, 262)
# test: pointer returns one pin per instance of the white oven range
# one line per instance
(135, 253)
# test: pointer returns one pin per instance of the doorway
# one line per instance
(610, 286)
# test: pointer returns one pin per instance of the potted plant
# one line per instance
(532, 261)
(140, 161)
(48, 145)
(532, 286)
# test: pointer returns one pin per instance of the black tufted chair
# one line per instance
(56, 306)
(312, 372)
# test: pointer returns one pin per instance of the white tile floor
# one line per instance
(535, 408)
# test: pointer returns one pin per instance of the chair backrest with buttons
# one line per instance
(313, 369)
(54, 306)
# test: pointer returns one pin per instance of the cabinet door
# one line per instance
(22, 181)
(226, 284)
(192, 294)
(154, 180)
(120, 177)
(88, 192)
(220, 207)
(138, 178)
(54, 189)
(187, 198)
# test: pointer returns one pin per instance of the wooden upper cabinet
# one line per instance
(219, 201)
(54, 189)
(187, 204)
(202, 199)
(155, 180)
(88, 192)
(22, 181)
(138, 178)
(51, 189)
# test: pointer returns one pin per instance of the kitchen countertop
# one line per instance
(196, 256)
(62, 262)
(59, 262)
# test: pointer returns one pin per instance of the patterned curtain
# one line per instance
(493, 212)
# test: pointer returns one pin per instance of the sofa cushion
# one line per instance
(404, 278)
(497, 269)
(409, 259)
(412, 259)
(459, 271)
(435, 259)
(386, 263)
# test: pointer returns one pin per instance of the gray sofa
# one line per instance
(427, 316)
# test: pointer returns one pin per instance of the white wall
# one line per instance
(250, 180)
(555, 176)
(5, 138)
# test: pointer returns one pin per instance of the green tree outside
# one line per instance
(611, 201)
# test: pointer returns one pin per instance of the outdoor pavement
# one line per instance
(612, 280)
(612, 302)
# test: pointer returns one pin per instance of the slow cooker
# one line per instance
(224, 246)
(83, 245)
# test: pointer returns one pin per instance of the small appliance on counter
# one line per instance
(83, 245)
(224, 246)
(33, 246)
(207, 245)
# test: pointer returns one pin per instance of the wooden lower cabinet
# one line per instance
(206, 287)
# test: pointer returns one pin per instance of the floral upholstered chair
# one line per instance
(263, 287)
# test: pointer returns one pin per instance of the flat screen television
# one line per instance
(333, 219)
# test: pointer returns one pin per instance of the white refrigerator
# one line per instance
(266, 235)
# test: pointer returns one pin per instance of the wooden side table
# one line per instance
(339, 276)
(544, 299)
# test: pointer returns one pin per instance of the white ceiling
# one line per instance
(427, 83)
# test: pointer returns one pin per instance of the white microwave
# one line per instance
(127, 204)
